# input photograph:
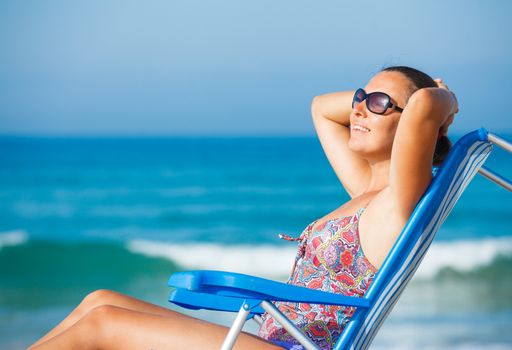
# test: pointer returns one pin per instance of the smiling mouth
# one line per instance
(361, 128)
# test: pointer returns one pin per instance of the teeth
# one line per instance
(360, 128)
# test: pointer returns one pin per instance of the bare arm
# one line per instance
(331, 117)
(427, 114)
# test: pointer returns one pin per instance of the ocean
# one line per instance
(81, 213)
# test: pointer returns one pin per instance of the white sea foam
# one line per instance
(16, 237)
(277, 261)
(263, 260)
(463, 255)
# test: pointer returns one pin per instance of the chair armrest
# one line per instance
(242, 286)
(194, 300)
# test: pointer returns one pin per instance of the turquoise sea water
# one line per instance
(79, 214)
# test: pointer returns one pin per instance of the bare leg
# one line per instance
(106, 297)
(111, 327)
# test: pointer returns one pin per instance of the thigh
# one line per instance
(107, 297)
(127, 329)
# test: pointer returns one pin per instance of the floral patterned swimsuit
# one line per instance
(331, 259)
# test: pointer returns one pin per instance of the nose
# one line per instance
(359, 109)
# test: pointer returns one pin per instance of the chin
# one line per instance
(357, 146)
(367, 151)
(357, 142)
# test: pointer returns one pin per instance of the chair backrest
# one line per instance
(460, 166)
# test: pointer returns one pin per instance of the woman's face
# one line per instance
(376, 141)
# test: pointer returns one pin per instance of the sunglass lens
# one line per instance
(359, 97)
(378, 103)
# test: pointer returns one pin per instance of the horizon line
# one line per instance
(212, 135)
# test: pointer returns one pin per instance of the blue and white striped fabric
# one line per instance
(461, 165)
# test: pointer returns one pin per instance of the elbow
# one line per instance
(434, 101)
(316, 107)
(422, 106)
(425, 96)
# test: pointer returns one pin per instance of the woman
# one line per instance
(382, 147)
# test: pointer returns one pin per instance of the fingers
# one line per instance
(449, 120)
(440, 83)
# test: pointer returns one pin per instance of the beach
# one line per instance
(80, 214)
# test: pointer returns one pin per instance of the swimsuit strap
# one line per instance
(288, 237)
(363, 208)
(307, 231)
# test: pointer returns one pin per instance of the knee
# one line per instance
(102, 313)
(97, 298)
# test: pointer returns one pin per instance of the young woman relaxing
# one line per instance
(381, 141)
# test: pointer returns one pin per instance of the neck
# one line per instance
(379, 175)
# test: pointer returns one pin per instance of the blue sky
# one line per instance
(236, 67)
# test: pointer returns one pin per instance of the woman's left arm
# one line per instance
(426, 116)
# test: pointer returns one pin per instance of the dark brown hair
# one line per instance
(420, 80)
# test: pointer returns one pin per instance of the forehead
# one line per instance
(394, 84)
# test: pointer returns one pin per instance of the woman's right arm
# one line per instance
(331, 117)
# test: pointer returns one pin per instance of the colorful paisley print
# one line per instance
(329, 258)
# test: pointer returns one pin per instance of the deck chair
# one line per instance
(251, 296)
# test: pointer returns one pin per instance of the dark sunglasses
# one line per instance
(376, 102)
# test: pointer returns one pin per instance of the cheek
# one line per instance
(387, 125)
(384, 126)
(385, 131)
